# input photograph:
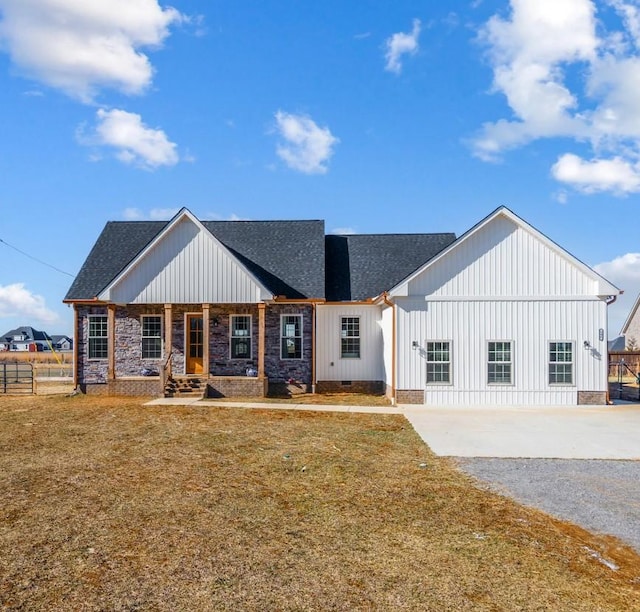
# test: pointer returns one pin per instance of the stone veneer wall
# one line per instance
(128, 346)
(220, 362)
(592, 398)
(128, 343)
(94, 370)
(279, 370)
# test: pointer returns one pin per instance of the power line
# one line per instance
(44, 263)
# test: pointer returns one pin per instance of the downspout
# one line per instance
(609, 300)
(313, 346)
(385, 299)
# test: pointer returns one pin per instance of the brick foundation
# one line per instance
(410, 396)
(148, 386)
(592, 398)
(236, 386)
(371, 387)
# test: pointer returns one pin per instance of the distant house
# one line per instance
(630, 331)
(25, 339)
(500, 315)
(62, 343)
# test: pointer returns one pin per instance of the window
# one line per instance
(151, 337)
(350, 338)
(500, 371)
(560, 363)
(438, 362)
(98, 343)
(291, 337)
(240, 337)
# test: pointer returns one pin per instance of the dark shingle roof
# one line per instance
(286, 256)
(364, 266)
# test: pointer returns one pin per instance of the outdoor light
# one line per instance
(414, 345)
(586, 344)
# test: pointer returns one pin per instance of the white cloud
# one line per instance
(400, 44)
(616, 175)
(155, 214)
(82, 46)
(307, 146)
(132, 214)
(531, 52)
(342, 231)
(134, 142)
(623, 272)
(163, 214)
(17, 301)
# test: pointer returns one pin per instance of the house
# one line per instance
(630, 331)
(24, 339)
(61, 342)
(501, 315)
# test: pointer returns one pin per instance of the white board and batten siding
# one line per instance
(187, 265)
(329, 365)
(503, 284)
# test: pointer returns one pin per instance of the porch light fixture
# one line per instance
(586, 344)
(414, 345)
(216, 321)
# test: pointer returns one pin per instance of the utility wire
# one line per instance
(44, 263)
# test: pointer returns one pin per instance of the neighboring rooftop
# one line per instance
(29, 334)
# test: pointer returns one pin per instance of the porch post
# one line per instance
(76, 343)
(261, 341)
(205, 339)
(168, 329)
(111, 341)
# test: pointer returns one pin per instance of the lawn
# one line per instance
(110, 505)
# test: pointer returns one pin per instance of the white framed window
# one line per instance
(439, 362)
(98, 337)
(561, 363)
(291, 337)
(500, 363)
(350, 337)
(240, 337)
(151, 336)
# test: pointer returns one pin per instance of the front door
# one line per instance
(195, 346)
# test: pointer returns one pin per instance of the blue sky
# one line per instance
(377, 117)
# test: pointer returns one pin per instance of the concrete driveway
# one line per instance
(527, 453)
(566, 432)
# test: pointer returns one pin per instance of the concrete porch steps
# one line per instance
(185, 386)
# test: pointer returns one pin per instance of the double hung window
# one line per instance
(291, 337)
(560, 363)
(98, 337)
(151, 336)
(350, 337)
(240, 337)
(500, 363)
(438, 362)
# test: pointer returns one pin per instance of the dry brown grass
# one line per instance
(37, 357)
(109, 505)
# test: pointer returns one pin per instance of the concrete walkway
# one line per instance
(176, 401)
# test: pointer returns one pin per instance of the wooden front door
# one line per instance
(194, 345)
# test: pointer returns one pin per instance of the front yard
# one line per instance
(110, 505)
